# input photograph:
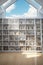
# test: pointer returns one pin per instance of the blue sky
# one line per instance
(19, 8)
(22, 9)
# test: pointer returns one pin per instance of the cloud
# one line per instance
(32, 12)
(10, 8)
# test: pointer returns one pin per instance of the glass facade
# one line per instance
(21, 34)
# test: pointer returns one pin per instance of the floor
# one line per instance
(20, 59)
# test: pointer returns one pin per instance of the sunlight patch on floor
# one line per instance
(31, 54)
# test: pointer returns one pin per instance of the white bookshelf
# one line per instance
(21, 34)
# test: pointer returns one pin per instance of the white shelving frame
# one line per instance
(12, 48)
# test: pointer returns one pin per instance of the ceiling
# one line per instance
(2, 1)
(40, 2)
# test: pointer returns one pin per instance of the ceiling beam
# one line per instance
(8, 3)
(2, 1)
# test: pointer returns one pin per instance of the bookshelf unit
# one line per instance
(17, 35)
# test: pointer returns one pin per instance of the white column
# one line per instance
(2, 12)
(41, 31)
